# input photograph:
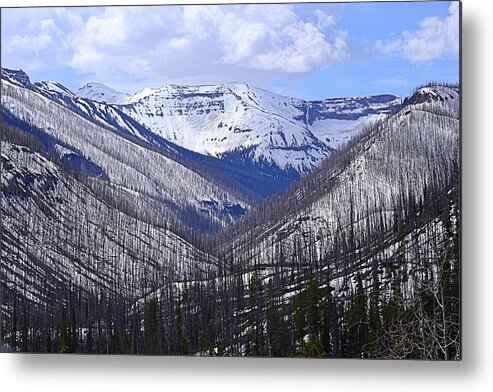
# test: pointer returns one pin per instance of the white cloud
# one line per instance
(388, 47)
(280, 41)
(41, 36)
(179, 43)
(436, 37)
(305, 49)
(37, 38)
(35, 43)
(324, 20)
(176, 42)
(111, 29)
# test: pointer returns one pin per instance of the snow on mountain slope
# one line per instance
(396, 162)
(335, 132)
(17, 77)
(100, 93)
(217, 120)
(221, 119)
(105, 115)
(338, 120)
(249, 181)
(379, 170)
(54, 86)
(333, 120)
(234, 122)
(444, 99)
(48, 244)
(125, 163)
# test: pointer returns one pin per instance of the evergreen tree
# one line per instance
(63, 334)
(358, 321)
(373, 346)
(151, 328)
(312, 349)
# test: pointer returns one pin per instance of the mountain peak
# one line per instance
(54, 86)
(238, 86)
(17, 76)
(100, 93)
(432, 93)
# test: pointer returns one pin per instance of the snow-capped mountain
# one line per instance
(16, 76)
(336, 120)
(225, 119)
(89, 143)
(249, 181)
(100, 93)
(108, 226)
(54, 86)
(386, 169)
(378, 220)
(235, 122)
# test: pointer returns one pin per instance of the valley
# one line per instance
(229, 220)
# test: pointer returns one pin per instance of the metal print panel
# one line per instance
(277, 180)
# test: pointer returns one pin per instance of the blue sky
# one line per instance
(309, 51)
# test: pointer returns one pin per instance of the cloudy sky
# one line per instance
(305, 50)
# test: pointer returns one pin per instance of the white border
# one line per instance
(474, 373)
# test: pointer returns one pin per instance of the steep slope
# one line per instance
(378, 182)
(235, 118)
(235, 135)
(53, 86)
(100, 93)
(333, 120)
(57, 235)
(103, 114)
(120, 160)
(224, 119)
(250, 181)
(338, 120)
(359, 259)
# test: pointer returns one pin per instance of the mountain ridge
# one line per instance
(358, 243)
(216, 119)
(99, 92)
(221, 119)
(276, 138)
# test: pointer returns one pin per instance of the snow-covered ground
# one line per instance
(405, 151)
(73, 236)
(218, 119)
(126, 163)
(101, 93)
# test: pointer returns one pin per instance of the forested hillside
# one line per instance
(110, 245)
(369, 243)
(180, 194)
